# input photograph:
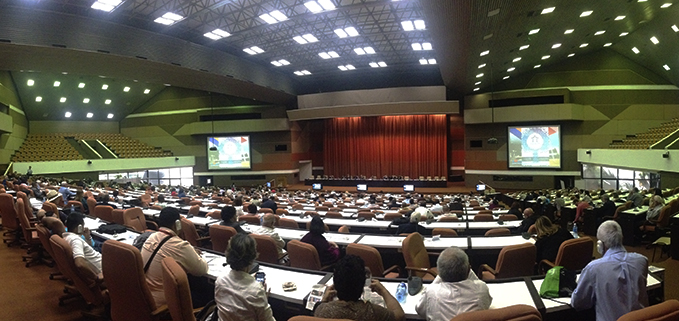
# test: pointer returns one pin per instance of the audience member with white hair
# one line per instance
(615, 284)
(529, 219)
(268, 221)
(455, 290)
(654, 208)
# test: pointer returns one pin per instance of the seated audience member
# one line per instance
(615, 284)
(37, 191)
(607, 208)
(494, 204)
(635, 197)
(586, 197)
(252, 209)
(174, 247)
(267, 228)
(559, 203)
(238, 204)
(328, 252)
(348, 283)
(269, 202)
(238, 295)
(87, 260)
(529, 219)
(104, 200)
(580, 209)
(229, 218)
(65, 192)
(654, 208)
(550, 236)
(80, 197)
(413, 225)
(455, 290)
(515, 209)
(456, 205)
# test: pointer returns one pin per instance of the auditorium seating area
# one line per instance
(45, 147)
(646, 139)
(55, 147)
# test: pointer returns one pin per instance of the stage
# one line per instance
(449, 188)
(376, 182)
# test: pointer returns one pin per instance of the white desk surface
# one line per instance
(497, 242)
(196, 220)
(290, 234)
(637, 211)
(125, 237)
(394, 242)
(509, 293)
(472, 225)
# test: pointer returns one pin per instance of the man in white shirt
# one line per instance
(87, 260)
(267, 228)
(174, 247)
(455, 290)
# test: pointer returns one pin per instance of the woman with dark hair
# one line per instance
(549, 239)
(348, 283)
(229, 218)
(237, 293)
(238, 204)
(515, 209)
(328, 252)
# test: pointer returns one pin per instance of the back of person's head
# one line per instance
(516, 205)
(228, 213)
(422, 203)
(74, 219)
(528, 212)
(161, 198)
(168, 216)
(317, 226)
(104, 198)
(545, 227)
(238, 201)
(268, 220)
(415, 217)
(605, 198)
(610, 234)
(658, 200)
(453, 265)
(558, 194)
(252, 209)
(241, 251)
(349, 278)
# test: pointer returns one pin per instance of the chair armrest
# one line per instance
(327, 268)
(434, 253)
(486, 267)
(546, 265)
(204, 238)
(152, 225)
(424, 270)
(391, 269)
(160, 310)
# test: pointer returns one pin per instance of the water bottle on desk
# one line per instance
(401, 292)
(575, 231)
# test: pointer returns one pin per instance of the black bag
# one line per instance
(414, 285)
(111, 229)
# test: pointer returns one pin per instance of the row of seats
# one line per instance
(646, 139)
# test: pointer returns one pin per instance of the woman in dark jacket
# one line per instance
(549, 239)
(328, 252)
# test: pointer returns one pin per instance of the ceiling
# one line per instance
(459, 31)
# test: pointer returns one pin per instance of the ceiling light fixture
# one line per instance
(537, 66)
(346, 67)
(622, 34)
(635, 50)
(479, 75)
(168, 19)
(545, 57)
(304, 39)
(524, 47)
(62, 99)
(302, 73)
(517, 59)
(30, 82)
(67, 114)
(320, 5)
(511, 69)
(675, 28)
(273, 17)
(147, 91)
(107, 102)
(364, 50)
(483, 53)
(655, 40)
(346, 32)
(571, 54)
(81, 85)
(600, 32)
(217, 34)
(89, 115)
(126, 89)
(380, 64)
(505, 77)
(586, 13)
(109, 116)
(477, 89)
(548, 10)
(556, 45)
(477, 83)
(666, 5)
(534, 31)
(57, 83)
(254, 50)
(431, 61)
(106, 5)
(608, 44)
(584, 45)
(619, 18)
(666, 67)
(568, 31)
(482, 65)
(279, 63)
(86, 100)
(38, 99)
(413, 25)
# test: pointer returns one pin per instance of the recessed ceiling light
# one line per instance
(323, 55)
(584, 45)
(359, 51)
(534, 31)
(426, 46)
(62, 99)
(81, 85)
(109, 116)
(484, 53)
(545, 57)
(622, 34)
(126, 89)
(30, 82)
(104, 87)
(417, 46)
(635, 50)
(423, 61)
(505, 77)
(666, 67)
(568, 31)
(586, 13)
(86, 100)
(89, 115)
(556, 45)
(107, 102)
(364, 50)
(38, 99)
(479, 75)
(608, 44)
(516, 59)
(273, 17)
(217, 34)
(407, 25)
(655, 40)
(67, 114)
(524, 47)
(253, 50)
(382, 64)
(600, 32)
(320, 5)
(476, 89)
(168, 19)
(419, 24)
(510, 69)
(477, 83)
(666, 5)
(281, 62)
(346, 32)
(619, 18)
(57, 83)
(302, 73)
(548, 10)
(642, 0)
(675, 28)
(147, 91)
(571, 54)
(432, 61)
(537, 66)
(106, 5)
(482, 65)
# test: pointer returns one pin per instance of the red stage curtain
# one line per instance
(413, 145)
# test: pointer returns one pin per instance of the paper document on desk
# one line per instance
(315, 295)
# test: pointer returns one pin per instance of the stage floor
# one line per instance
(452, 187)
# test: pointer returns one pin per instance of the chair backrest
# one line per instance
(288, 223)
(322, 208)
(282, 211)
(135, 219)
(483, 217)
(674, 204)
(366, 215)
(308, 318)
(220, 236)
(310, 213)
(574, 254)
(250, 219)
(516, 260)
(665, 311)
(370, 255)
(177, 291)
(448, 219)
(414, 252)
(50, 207)
(23, 221)
(303, 255)
(265, 210)
(9, 216)
(194, 210)
(217, 214)
(391, 216)
(508, 217)
(344, 229)
(664, 216)
(44, 236)
(28, 210)
(333, 215)
(117, 216)
(519, 312)
(76, 205)
(266, 247)
(193, 203)
(63, 256)
(498, 232)
(145, 199)
(189, 232)
(444, 232)
(124, 273)
(91, 205)
(103, 212)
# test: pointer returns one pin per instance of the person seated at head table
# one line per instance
(238, 295)
(549, 239)
(349, 280)
(455, 290)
